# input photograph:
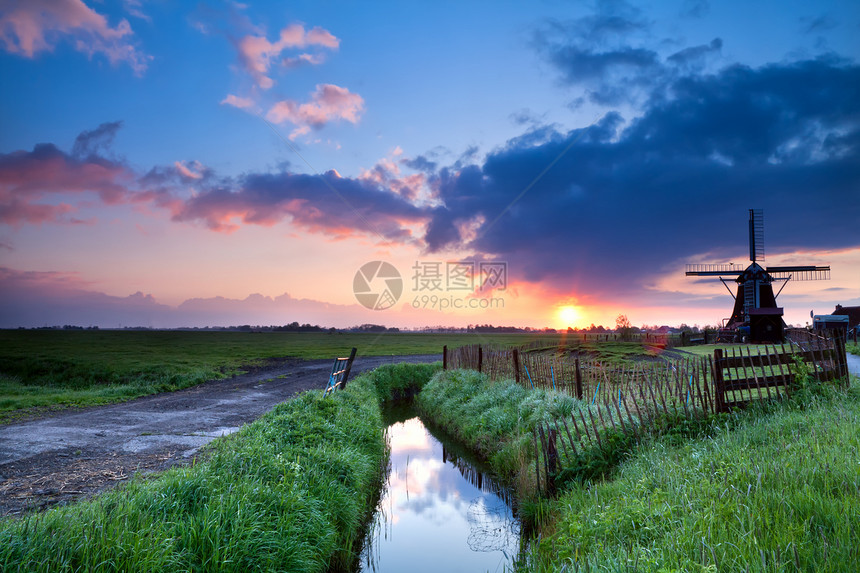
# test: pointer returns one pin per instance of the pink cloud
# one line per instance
(47, 185)
(312, 59)
(256, 53)
(236, 101)
(327, 204)
(386, 173)
(328, 103)
(193, 170)
(32, 26)
(27, 178)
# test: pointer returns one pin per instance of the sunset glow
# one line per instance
(569, 316)
(557, 165)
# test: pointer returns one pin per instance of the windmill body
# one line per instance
(755, 315)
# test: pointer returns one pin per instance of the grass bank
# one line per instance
(495, 421)
(290, 492)
(772, 489)
(780, 491)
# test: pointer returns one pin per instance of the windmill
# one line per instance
(756, 315)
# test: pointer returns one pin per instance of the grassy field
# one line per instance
(779, 491)
(45, 369)
(291, 492)
(774, 489)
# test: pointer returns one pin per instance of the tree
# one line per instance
(623, 327)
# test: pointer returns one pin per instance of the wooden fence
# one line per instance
(627, 399)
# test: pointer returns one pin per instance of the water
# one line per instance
(439, 511)
(854, 364)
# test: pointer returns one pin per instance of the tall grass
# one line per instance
(773, 490)
(493, 420)
(290, 492)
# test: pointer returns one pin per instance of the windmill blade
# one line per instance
(713, 270)
(800, 273)
(756, 235)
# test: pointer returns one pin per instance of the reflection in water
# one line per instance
(438, 511)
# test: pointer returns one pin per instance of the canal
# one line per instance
(439, 511)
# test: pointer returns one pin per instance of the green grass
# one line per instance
(853, 348)
(45, 369)
(495, 421)
(775, 488)
(291, 492)
(779, 492)
(613, 352)
(708, 349)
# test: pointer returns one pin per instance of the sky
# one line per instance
(542, 164)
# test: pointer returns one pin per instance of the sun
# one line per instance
(568, 315)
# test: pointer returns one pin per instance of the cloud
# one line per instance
(236, 101)
(47, 298)
(48, 185)
(603, 209)
(328, 103)
(608, 53)
(326, 203)
(29, 177)
(257, 53)
(596, 52)
(133, 7)
(90, 142)
(818, 24)
(190, 170)
(29, 27)
(696, 54)
(621, 205)
(695, 8)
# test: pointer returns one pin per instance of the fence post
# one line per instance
(480, 358)
(552, 461)
(516, 357)
(578, 375)
(719, 394)
(348, 367)
(445, 357)
(841, 357)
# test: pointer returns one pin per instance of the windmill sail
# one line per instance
(756, 235)
(755, 313)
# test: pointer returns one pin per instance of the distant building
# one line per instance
(853, 313)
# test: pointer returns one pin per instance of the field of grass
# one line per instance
(708, 349)
(773, 489)
(291, 492)
(44, 369)
(780, 491)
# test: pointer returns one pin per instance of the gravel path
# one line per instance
(62, 457)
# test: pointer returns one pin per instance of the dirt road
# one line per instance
(76, 453)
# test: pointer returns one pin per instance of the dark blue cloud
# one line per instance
(91, 142)
(618, 205)
(696, 54)
(695, 8)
